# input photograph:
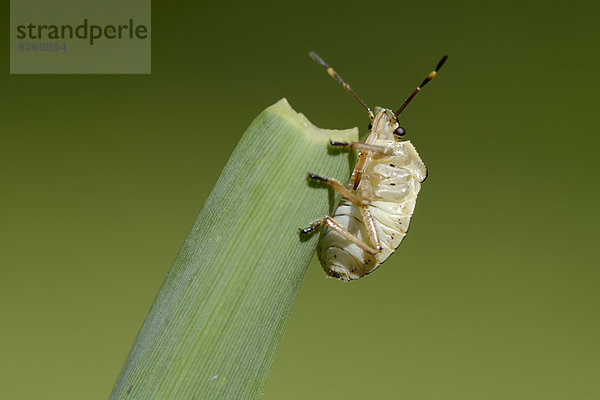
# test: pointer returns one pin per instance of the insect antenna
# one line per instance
(338, 78)
(429, 77)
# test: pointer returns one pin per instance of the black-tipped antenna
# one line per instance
(335, 75)
(429, 77)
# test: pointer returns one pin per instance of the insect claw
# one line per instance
(316, 177)
(312, 227)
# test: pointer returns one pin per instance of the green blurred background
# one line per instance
(494, 294)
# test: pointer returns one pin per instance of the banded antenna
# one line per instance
(338, 78)
(429, 77)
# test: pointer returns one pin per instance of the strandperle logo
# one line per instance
(85, 31)
(80, 37)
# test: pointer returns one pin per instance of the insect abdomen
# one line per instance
(394, 182)
(339, 257)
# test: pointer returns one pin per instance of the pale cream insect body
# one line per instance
(377, 204)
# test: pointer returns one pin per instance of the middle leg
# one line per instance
(360, 201)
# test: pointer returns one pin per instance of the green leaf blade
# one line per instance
(214, 327)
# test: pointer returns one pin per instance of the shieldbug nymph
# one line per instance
(378, 202)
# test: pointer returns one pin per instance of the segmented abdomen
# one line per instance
(393, 182)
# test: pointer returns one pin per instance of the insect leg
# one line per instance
(359, 169)
(371, 230)
(335, 226)
(372, 148)
(341, 189)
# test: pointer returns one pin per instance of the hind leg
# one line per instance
(335, 226)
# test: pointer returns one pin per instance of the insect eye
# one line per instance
(399, 131)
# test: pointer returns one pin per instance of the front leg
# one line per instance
(364, 147)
